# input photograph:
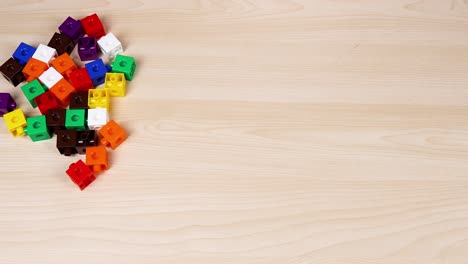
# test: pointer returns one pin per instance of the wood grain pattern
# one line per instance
(305, 131)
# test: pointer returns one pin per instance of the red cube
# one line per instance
(81, 174)
(46, 102)
(92, 26)
(80, 80)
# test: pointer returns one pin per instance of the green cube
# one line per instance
(75, 119)
(37, 128)
(31, 90)
(124, 64)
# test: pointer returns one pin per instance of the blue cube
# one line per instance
(23, 53)
(97, 71)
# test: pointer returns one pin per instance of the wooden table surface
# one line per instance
(260, 131)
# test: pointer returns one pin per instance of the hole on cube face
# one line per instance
(75, 118)
(88, 55)
(37, 124)
(56, 116)
(66, 137)
(96, 94)
(85, 41)
(24, 52)
(14, 119)
(84, 136)
(123, 63)
(113, 78)
(32, 90)
(10, 67)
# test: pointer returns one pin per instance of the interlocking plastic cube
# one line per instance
(92, 26)
(98, 98)
(46, 102)
(62, 91)
(80, 80)
(32, 90)
(79, 100)
(12, 71)
(86, 138)
(15, 122)
(64, 64)
(97, 71)
(75, 119)
(50, 77)
(116, 84)
(87, 49)
(124, 64)
(110, 46)
(72, 28)
(34, 68)
(97, 118)
(23, 53)
(96, 158)
(37, 128)
(66, 142)
(7, 104)
(44, 53)
(80, 174)
(61, 43)
(112, 135)
(55, 119)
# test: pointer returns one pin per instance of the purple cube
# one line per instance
(71, 28)
(7, 104)
(87, 48)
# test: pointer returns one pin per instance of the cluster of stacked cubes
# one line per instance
(74, 102)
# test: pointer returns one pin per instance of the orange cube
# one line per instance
(33, 69)
(96, 158)
(112, 134)
(62, 91)
(64, 64)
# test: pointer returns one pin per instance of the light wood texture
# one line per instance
(261, 131)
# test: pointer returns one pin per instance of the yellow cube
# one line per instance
(116, 84)
(98, 98)
(15, 122)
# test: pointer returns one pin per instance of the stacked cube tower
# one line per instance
(74, 102)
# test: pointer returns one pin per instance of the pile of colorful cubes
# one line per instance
(74, 102)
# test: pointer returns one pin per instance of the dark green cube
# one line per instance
(37, 128)
(124, 64)
(32, 90)
(75, 119)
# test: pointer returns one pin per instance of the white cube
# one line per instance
(44, 53)
(50, 77)
(97, 118)
(110, 46)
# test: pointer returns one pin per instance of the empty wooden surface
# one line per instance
(260, 131)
